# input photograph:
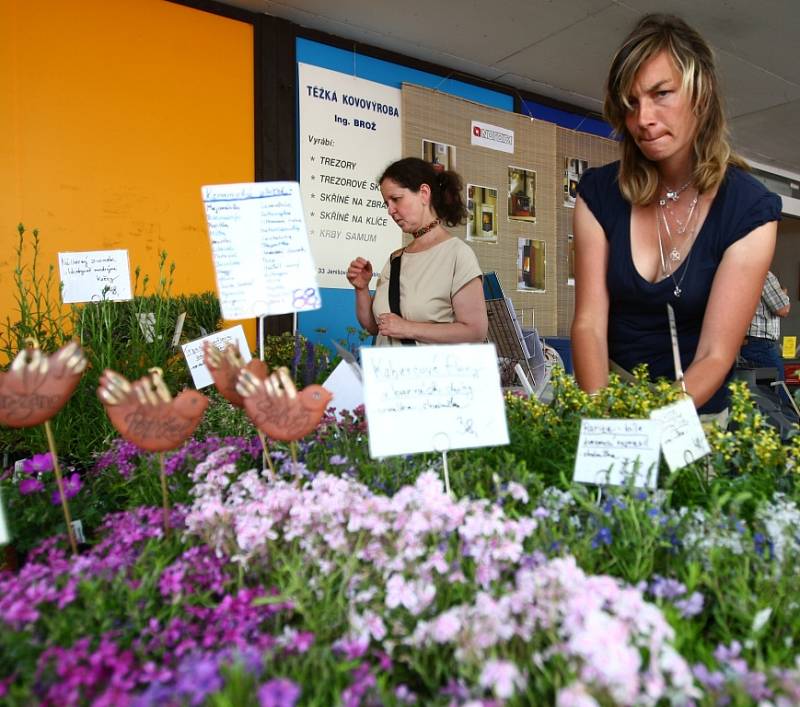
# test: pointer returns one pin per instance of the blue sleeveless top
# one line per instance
(638, 329)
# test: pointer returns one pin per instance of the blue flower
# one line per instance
(603, 537)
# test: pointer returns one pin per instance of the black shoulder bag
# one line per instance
(394, 294)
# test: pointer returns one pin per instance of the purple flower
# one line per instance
(37, 463)
(667, 588)
(279, 692)
(27, 486)
(603, 537)
(338, 460)
(351, 649)
(198, 677)
(72, 485)
(691, 606)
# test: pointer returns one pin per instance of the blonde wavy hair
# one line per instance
(694, 60)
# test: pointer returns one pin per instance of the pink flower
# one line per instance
(575, 696)
(446, 626)
(502, 677)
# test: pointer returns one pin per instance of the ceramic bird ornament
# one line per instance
(37, 386)
(277, 409)
(225, 366)
(145, 413)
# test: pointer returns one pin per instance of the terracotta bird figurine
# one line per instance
(37, 386)
(277, 409)
(225, 367)
(145, 413)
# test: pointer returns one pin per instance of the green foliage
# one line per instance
(130, 337)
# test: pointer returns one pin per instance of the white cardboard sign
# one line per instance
(193, 351)
(614, 452)
(260, 249)
(683, 440)
(432, 398)
(4, 536)
(346, 387)
(92, 276)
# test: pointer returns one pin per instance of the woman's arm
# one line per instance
(734, 295)
(589, 333)
(359, 274)
(470, 326)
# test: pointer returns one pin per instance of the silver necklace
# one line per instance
(675, 253)
(664, 263)
(680, 226)
(673, 194)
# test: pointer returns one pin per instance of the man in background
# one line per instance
(760, 346)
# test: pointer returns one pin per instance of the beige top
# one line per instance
(428, 281)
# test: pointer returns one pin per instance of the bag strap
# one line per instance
(394, 293)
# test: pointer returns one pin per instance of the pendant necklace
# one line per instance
(668, 267)
(425, 229)
(673, 194)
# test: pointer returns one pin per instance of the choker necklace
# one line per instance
(429, 227)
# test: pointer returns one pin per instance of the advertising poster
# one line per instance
(350, 131)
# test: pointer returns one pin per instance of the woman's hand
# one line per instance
(359, 273)
(391, 325)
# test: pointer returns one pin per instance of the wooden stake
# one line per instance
(266, 454)
(51, 442)
(164, 492)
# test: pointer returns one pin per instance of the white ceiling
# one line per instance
(562, 49)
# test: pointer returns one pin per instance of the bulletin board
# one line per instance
(516, 211)
(113, 114)
(575, 151)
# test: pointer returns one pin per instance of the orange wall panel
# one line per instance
(113, 113)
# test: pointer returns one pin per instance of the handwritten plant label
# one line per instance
(260, 248)
(193, 351)
(4, 536)
(618, 452)
(93, 276)
(432, 398)
(683, 440)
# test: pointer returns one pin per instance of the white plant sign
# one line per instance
(432, 398)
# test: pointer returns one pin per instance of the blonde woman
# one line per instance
(677, 220)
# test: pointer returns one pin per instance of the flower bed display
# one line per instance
(352, 581)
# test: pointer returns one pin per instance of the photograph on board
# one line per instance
(481, 214)
(440, 155)
(531, 265)
(573, 169)
(521, 194)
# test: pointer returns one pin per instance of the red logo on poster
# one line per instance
(476, 131)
